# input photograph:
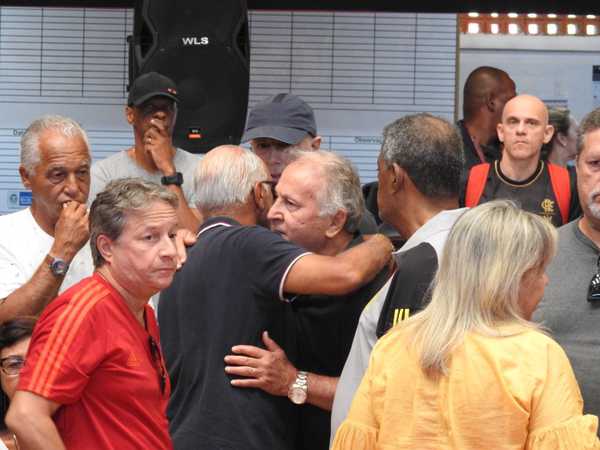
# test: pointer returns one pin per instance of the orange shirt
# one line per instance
(502, 393)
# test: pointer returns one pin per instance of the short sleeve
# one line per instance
(269, 258)
(576, 433)
(98, 181)
(361, 427)
(557, 398)
(11, 275)
(68, 343)
(353, 436)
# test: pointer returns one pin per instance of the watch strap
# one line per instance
(176, 179)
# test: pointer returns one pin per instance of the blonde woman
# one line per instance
(471, 372)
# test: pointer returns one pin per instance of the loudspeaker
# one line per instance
(203, 46)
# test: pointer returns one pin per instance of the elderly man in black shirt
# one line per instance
(234, 286)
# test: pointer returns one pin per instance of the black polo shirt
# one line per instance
(324, 327)
(227, 293)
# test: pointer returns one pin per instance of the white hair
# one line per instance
(225, 181)
(30, 142)
(342, 190)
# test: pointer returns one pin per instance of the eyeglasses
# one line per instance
(271, 185)
(12, 365)
(594, 288)
(158, 362)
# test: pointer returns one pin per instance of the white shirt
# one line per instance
(23, 247)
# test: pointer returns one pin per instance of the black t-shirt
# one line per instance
(409, 286)
(534, 194)
(324, 327)
(227, 293)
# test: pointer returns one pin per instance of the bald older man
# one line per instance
(520, 175)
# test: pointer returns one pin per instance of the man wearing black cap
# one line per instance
(152, 110)
(277, 123)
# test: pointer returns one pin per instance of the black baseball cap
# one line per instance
(284, 117)
(151, 84)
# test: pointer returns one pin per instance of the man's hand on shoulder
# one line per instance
(72, 231)
(267, 369)
(183, 238)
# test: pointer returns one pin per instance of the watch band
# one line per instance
(176, 179)
(58, 266)
(298, 391)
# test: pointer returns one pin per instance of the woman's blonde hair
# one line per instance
(488, 252)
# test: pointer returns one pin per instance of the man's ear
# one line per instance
(338, 221)
(261, 197)
(548, 133)
(315, 143)
(105, 247)
(500, 132)
(129, 114)
(25, 177)
(399, 177)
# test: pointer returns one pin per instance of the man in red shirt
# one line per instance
(94, 376)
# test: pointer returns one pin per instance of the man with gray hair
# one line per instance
(419, 168)
(319, 207)
(571, 304)
(233, 289)
(42, 247)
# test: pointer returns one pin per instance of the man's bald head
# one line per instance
(225, 177)
(529, 104)
(486, 88)
(524, 128)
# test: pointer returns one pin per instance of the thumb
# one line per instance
(270, 343)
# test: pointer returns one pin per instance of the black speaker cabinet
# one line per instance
(203, 46)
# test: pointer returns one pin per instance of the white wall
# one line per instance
(557, 69)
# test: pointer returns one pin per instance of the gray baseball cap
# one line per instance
(285, 117)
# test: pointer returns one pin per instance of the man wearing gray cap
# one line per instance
(152, 110)
(278, 123)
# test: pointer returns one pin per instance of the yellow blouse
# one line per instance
(501, 393)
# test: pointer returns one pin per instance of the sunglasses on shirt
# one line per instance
(594, 287)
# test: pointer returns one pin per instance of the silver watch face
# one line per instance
(297, 395)
(59, 267)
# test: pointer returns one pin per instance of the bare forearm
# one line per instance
(36, 433)
(366, 260)
(321, 390)
(33, 296)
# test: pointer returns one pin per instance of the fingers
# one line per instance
(242, 361)
(270, 343)
(249, 350)
(248, 383)
(247, 372)
(159, 125)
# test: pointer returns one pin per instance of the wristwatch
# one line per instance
(298, 391)
(58, 266)
(176, 179)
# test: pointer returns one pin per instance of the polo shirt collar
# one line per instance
(218, 221)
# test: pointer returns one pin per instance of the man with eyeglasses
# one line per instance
(235, 285)
(152, 111)
(94, 375)
(571, 304)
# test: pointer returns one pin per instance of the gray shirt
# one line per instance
(120, 165)
(435, 232)
(573, 321)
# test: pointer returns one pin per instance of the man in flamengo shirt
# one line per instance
(520, 174)
(94, 376)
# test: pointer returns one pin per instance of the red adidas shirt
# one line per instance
(90, 354)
